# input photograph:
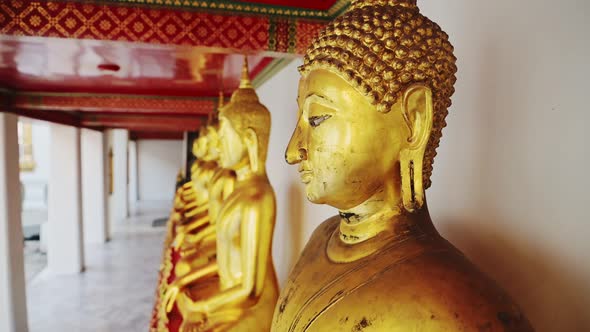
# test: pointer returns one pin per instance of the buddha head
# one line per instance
(200, 144)
(244, 128)
(374, 92)
(205, 147)
(212, 143)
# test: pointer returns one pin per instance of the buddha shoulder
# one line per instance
(256, 191)
(435, 290)
(420, 284)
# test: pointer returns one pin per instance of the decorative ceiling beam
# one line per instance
(309, 10)
(270, 70)
(64, 118)
(159, 135)
(134, 104)
(158, 123)
(240, 31)
(139, 119)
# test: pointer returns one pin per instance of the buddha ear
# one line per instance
(251, 140)
(418, 112)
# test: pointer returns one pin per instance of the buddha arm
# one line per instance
(182, 232)
(202, 220)
(200, 236)
(228, 187)
(200, 208)
(239, 293)
(190, 278)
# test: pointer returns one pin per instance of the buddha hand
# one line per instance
(170, 296)
(195, 311)
(179, 239)
(194, 326)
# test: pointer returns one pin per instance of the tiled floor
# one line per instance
(115, 293)
(35, 260)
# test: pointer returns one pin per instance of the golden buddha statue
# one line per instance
(245, 289)
(156, 323)
(189, 215)
(195, 213)
(184, 196)
(373, 96)
(198, 246)
(218, 184)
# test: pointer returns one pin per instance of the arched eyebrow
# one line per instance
(317, 95)
(315, 98)
(318, 98)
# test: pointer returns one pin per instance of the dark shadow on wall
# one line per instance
(547, 289)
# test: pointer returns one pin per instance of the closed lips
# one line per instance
(305, 176)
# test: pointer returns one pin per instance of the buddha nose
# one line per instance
(295, 151)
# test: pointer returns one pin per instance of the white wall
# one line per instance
(511, 178)
(158, 163)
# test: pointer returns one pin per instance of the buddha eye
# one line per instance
(315, 121)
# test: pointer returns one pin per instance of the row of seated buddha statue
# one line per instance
(375, 88)
(217, 273)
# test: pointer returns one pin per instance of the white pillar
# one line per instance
(94, 192)
(132, 178)
(118, 202)
(13, 301)
(106, 146)
(65, 247)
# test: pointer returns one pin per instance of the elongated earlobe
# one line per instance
(252, 148)
(417, 112)
(412, 181)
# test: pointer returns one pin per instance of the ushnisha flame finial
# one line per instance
(220, 102)
(245, 80)
(214, 114)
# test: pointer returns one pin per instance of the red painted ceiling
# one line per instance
(78, 80)
(87, 66)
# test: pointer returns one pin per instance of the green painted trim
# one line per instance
(274, 67)
(338, 8)
(235, 6)
(292, 42)
(272, 34)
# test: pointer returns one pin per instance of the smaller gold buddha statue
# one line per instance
(242, 272)
(222, 183)
(189, 216)
(375, 88)
(219, 185)
(195, 214)
(198, 246)
(166, 265)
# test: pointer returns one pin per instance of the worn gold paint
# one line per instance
(374, 92)
(231, 284)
